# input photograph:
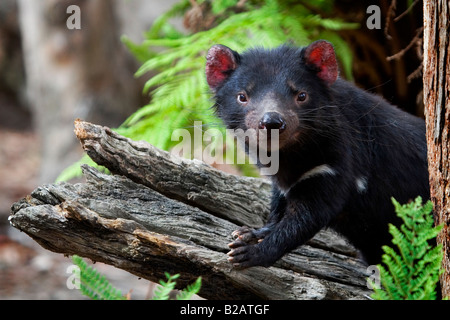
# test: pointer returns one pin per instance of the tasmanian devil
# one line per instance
(343, 152)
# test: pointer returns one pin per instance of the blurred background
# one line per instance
(50, 75)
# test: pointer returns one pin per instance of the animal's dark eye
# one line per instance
(242, 98)
(302, 96)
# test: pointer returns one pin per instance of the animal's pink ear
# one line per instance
(220, 62)
(320, 54)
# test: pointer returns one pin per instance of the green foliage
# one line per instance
(179, 93)
(163, 292)
(97, 287)
(412, 271)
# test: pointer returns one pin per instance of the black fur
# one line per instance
(372, 151)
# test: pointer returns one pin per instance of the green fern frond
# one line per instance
(190, 290)
(411, 271)
(95, 285)
(166, 287)
(389, 285)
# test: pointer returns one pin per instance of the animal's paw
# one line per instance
(244, 234)
(246, 248)
(243, 255)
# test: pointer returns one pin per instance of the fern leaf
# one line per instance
(165, 288)
(190, 290)
(95, 285)
(413, 271)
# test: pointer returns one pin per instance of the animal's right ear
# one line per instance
(221, 61)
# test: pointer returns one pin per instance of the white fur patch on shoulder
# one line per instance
(316, 171)
(361, 184)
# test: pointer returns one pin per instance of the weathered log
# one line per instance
(158, 212)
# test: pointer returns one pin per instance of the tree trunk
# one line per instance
(159, 212)
(72, 73)
(436, 84)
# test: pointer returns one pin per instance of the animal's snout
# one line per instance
(272, 120)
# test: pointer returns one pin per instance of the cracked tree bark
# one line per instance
(436, 94)
(158, 212)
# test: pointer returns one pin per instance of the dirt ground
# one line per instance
(27, 271)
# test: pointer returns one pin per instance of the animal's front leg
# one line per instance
(298, 224)
(246, 235)
(245, 246)
(267, 250)
(264, 246)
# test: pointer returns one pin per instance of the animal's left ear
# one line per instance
(320, 55)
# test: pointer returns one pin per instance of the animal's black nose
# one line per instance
(272, 120)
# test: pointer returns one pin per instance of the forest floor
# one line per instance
(27, 271)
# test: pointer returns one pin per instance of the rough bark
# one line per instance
(158, 213)
(436, 78)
